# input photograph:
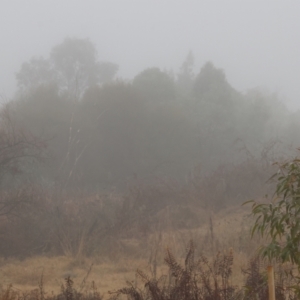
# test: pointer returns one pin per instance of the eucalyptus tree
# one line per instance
(278, 221)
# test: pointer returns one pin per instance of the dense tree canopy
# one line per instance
(211, 86)
(155, 86)
(154, 125)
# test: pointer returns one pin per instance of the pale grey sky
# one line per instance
(257, 43)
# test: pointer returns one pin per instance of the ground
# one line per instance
(227, 229)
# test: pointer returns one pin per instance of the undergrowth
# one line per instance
(68, 292)
(202, 279)
(195, 278)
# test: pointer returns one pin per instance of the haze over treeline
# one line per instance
(256, 42)
(95, 144)
(88, 158)
(102, 131)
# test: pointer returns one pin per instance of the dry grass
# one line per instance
(26, 274)
(230, 229)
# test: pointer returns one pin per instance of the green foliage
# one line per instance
(279, 220)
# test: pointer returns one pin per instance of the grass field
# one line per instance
(227, 229)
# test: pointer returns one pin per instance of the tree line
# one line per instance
(102, 131)
(90, 155)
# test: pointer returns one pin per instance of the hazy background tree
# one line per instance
(73, 65)
(21, 153)
(36, 72)
(155, 86)
(186, 76)
(75, 61)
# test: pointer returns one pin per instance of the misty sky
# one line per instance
(257, 43)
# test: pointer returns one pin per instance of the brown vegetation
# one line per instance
(199, 277)
(133, 168)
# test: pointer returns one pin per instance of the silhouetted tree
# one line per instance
(155, 86)
(76, 63)
(20, 153)
(34, 73)
(211, 86)
(186, 76)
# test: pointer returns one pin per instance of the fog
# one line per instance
(255, 42)
(121, 119)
